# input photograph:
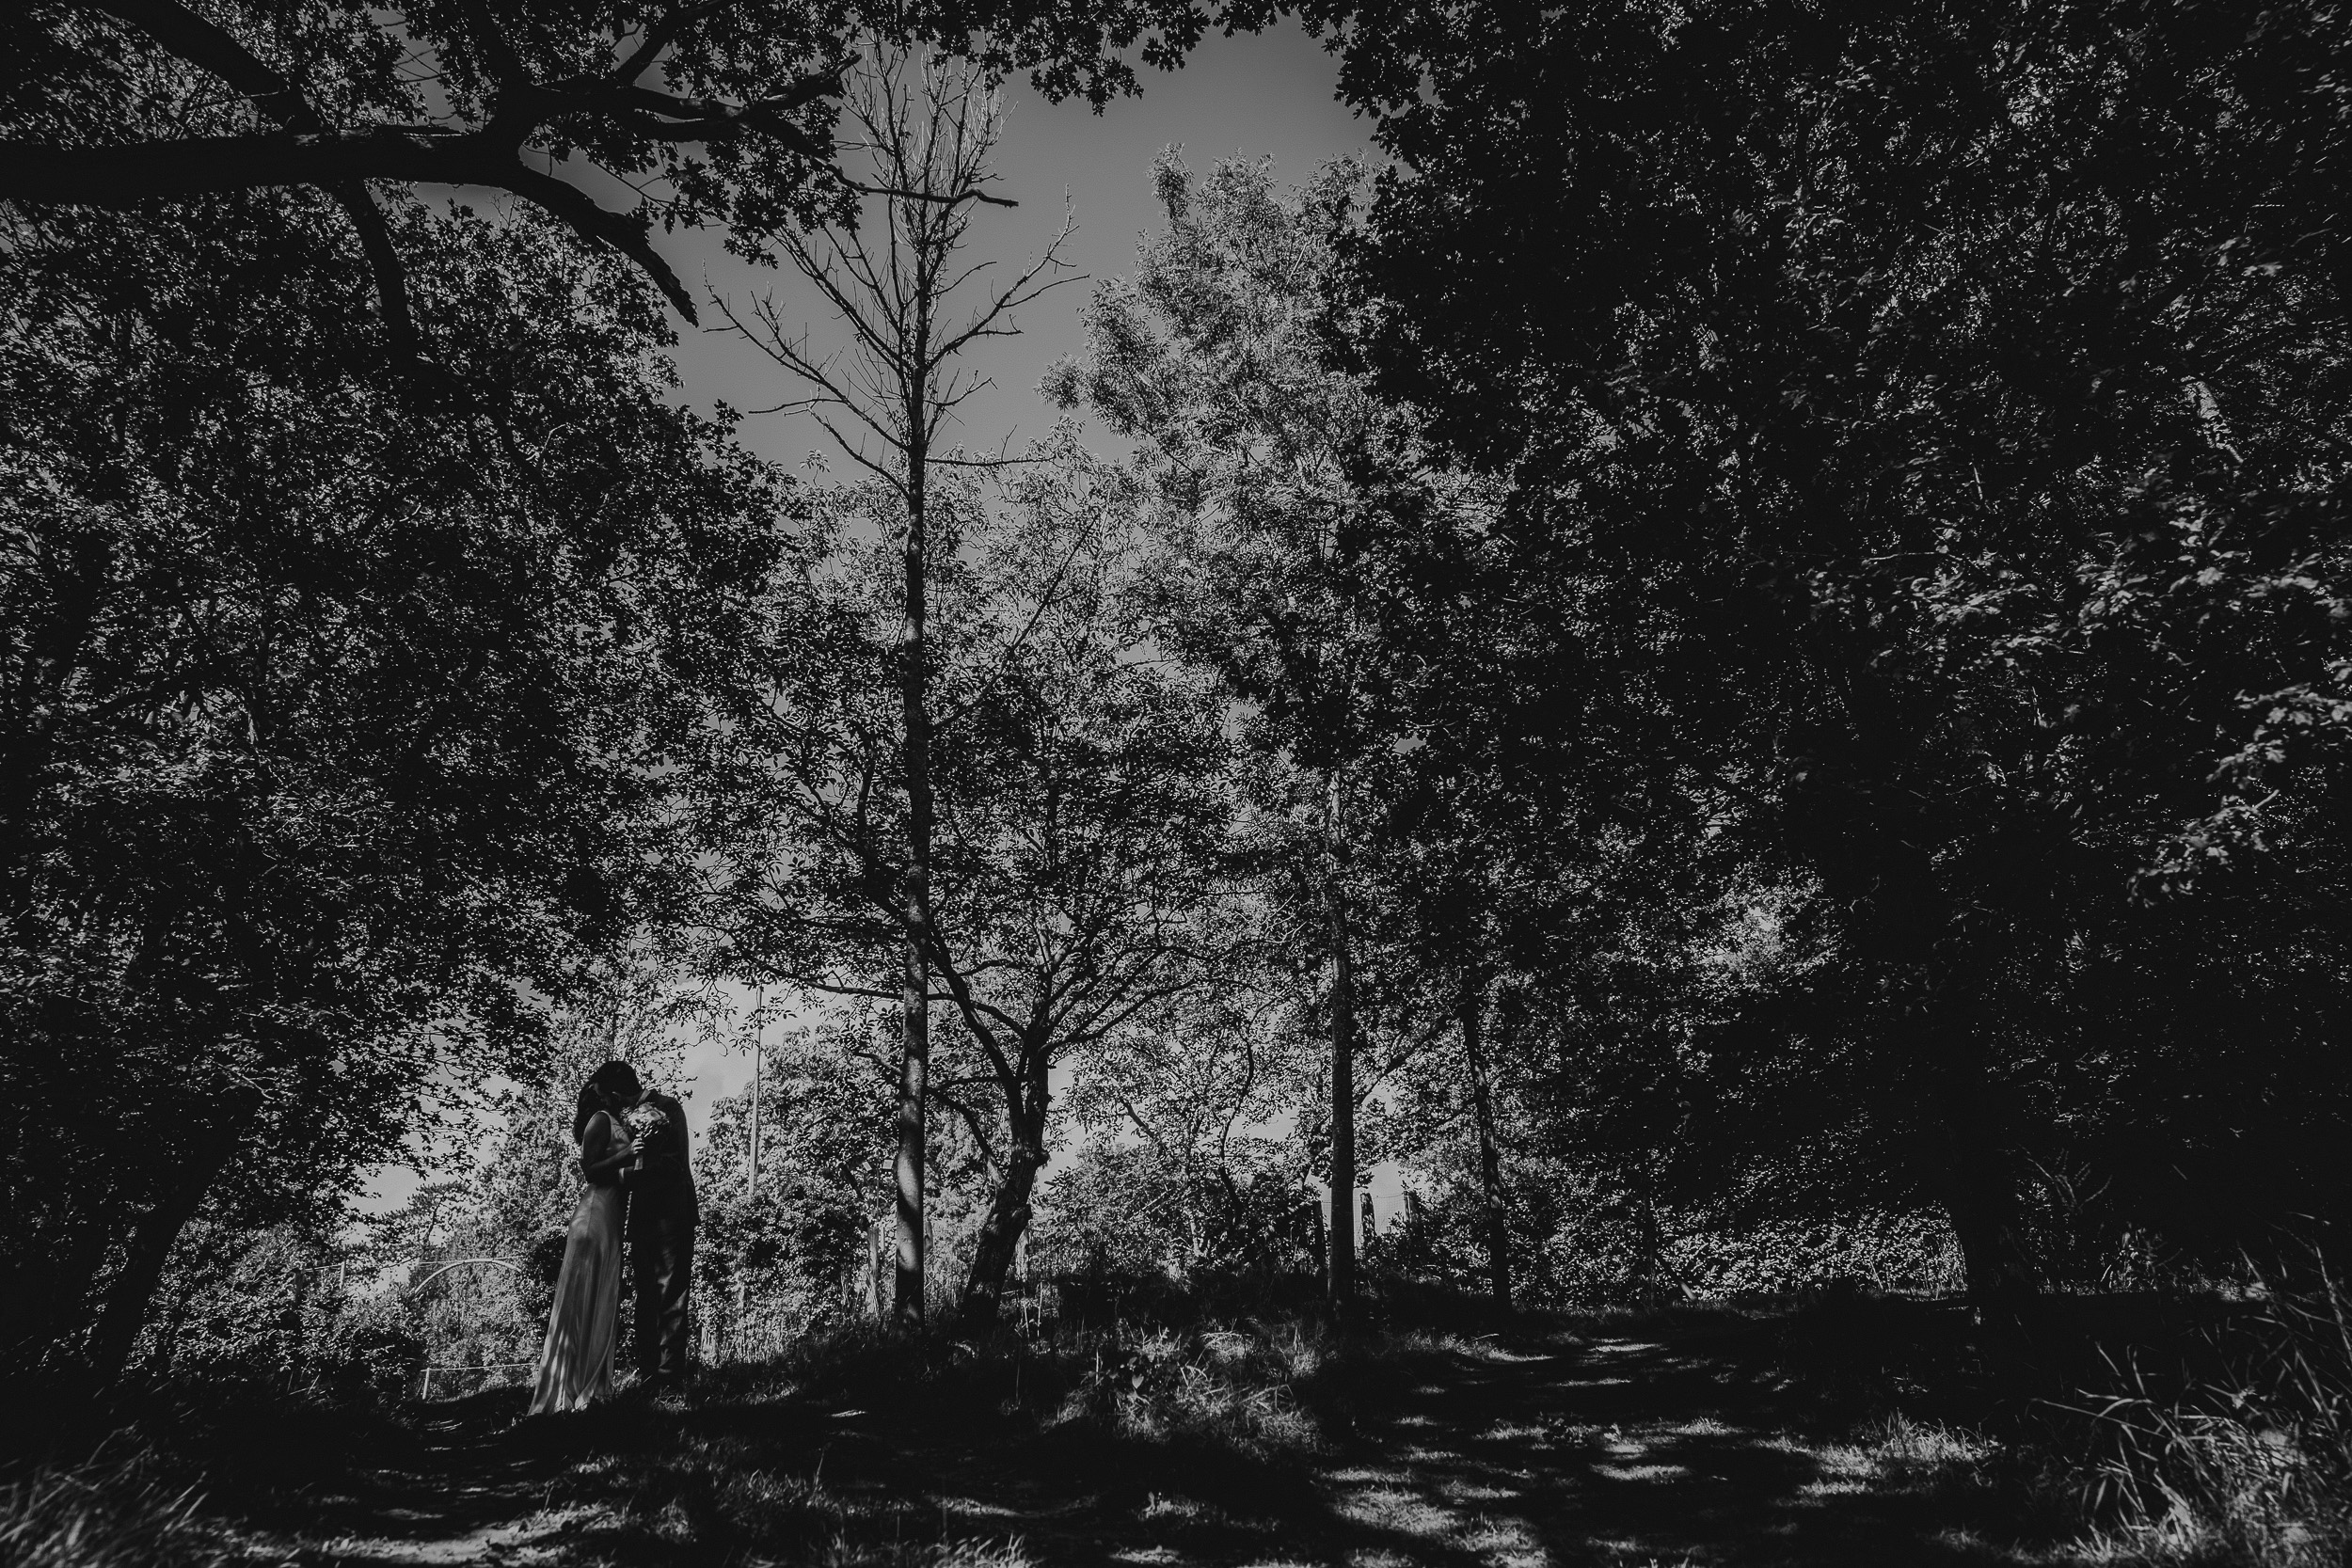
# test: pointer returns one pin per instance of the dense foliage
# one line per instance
(1924, 436)
(327, 717)
(1731, 675)
(362, 583)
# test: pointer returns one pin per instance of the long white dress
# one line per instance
(575, 1363)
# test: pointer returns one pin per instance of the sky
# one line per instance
(1253, 96)
(1258, 95)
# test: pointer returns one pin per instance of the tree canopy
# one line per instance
(1754, 629)
(712, 111)
(1934, 419)
(329, 720)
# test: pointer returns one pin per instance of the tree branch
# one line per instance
(391, 280)
(303, 151)
(662, 34)
(200, 165)
(665, 118)
(208, 47)
(936, 197)
(624, 231)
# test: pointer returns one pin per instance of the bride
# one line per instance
(575, 1363)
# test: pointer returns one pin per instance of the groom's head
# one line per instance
(617, 1082)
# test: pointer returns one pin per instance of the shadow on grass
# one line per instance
(1683, 1437)
(1606, 1448)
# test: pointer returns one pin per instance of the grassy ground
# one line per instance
(1859, 1431)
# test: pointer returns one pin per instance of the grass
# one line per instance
(2161, 1433)
(1230, 1436)
(2244, 1459)
(105, 1512)
(1140, 1400)
(1897, 1454)
(686, 1498)
(1207, 1428)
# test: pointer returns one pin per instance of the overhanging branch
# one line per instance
(300, 150)
(211, 48)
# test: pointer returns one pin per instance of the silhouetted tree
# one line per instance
(929, 125)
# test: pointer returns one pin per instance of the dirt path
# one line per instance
(1610, 1452)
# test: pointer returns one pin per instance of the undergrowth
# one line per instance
(2163, 1432)
(2212, 1439)
(2243, 1459)
(105, 1512)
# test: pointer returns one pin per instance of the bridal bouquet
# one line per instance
(657, 1136)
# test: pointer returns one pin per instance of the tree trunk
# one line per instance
(913, 1071)
(1645, 1221)
(1979, 1174)
(1490, 1157)
(1980, 1197)
(751, 1166)
(1001, 1233)
(124, 1307)
(915, 1066)
(1342, 1245)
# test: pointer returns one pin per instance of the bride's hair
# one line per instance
(590, 1103)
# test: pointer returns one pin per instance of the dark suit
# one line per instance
(661, 1217)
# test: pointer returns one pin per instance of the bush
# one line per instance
(269, 1307)
(1913, 1254)
(1115, 1210)
(784, 1257)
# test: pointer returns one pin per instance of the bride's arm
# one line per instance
(600, 1151)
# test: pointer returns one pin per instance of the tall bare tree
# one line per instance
(926, 126)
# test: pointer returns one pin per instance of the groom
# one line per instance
(661, 1217)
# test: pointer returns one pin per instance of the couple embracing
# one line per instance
(633, 1150)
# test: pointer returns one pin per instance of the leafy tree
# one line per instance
(1081, 801)
(793, 1236)
(1937, 418)
(1277, 491)
(330, 725)
(1195, 1157)
(1090, 835)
